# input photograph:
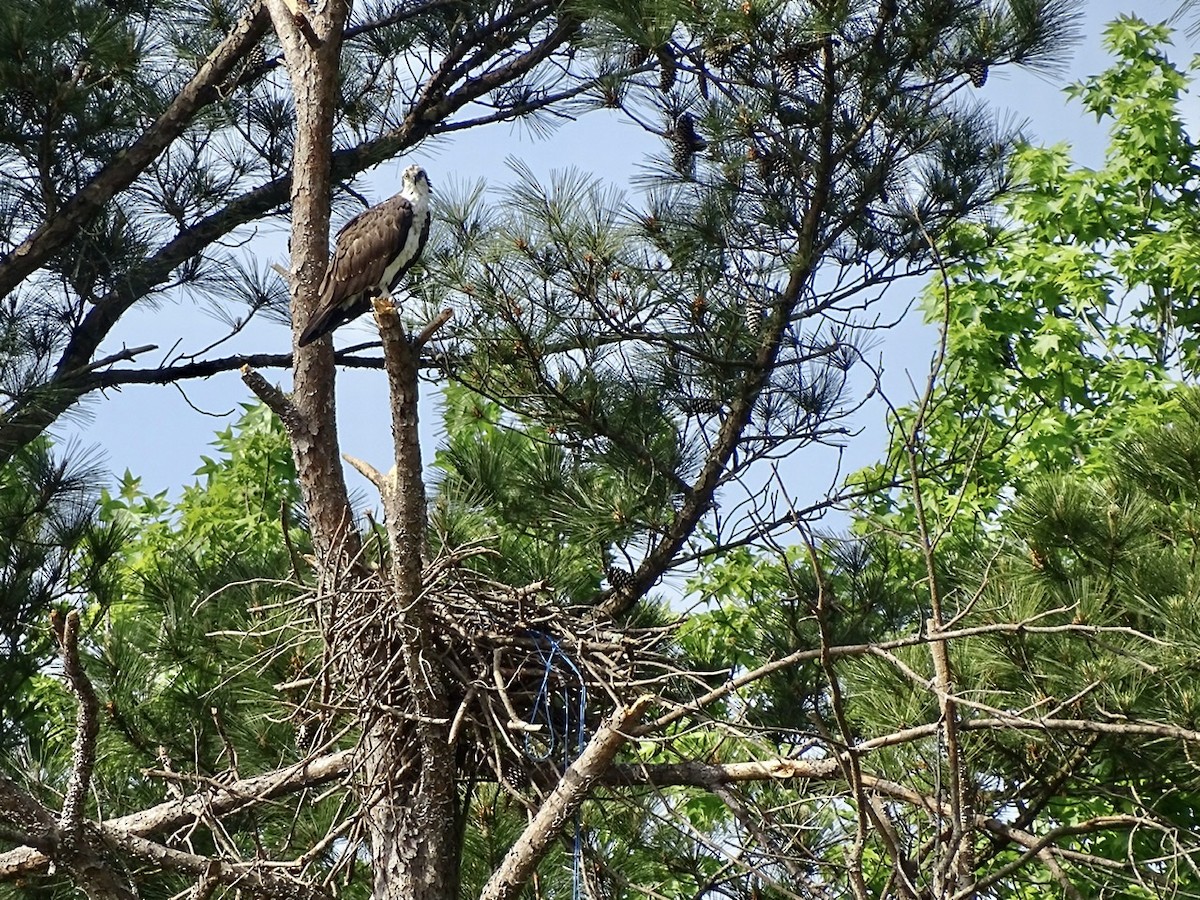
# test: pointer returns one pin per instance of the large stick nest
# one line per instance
(528, 677)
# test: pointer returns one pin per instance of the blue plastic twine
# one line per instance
(542, 709)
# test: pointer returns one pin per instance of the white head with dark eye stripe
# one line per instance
(415, 182)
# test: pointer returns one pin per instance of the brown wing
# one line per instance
(364, 248)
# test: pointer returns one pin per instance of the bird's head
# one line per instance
(415, 181)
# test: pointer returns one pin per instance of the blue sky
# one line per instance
(156, 432)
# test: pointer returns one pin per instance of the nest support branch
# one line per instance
(527, 678)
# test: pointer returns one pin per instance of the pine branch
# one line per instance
(662, 555)
(31, 415)
(209, 367)
(124, 167)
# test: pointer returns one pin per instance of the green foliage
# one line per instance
(1066, 328)
(1082, 603)
(548, 515)
(188, 645)
(54, 551)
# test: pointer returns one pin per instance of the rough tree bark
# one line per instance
(413, 826)
(407, 788)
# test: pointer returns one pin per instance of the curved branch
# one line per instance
(126, 166)
(87, 727)
(40, 407)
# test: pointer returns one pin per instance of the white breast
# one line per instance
(419, 199)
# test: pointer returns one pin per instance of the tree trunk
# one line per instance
(383, 647)
(414, 830)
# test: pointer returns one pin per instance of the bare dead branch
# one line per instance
(87, 727)
(431, 329)
(367, 471)
(173, 814)
(562, 802)
(275, 399)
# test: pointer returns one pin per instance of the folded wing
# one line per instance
(367, 256)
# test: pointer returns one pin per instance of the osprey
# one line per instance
(372, 252)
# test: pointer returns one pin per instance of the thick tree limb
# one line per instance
(24, 813)
(35, 250)
(173, 814)
(209, 367)
(562, 802)
(244, 875)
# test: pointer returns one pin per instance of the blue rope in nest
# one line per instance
(556, 661)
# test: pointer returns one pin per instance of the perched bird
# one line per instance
(372, 252)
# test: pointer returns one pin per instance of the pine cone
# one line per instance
(754, 313)
(700, 406)
(26, 104)
(257, 57)
(789, 70)
(721, 54)
(686, 143)
(977, 71)
(768, 164)
(637, 55)
(682, 157)
(669, 70)
(685, 127)
(619, 578)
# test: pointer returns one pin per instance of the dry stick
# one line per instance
(958, 855)
(562, 802)
(87, 727)
(849, 757)
(799, 656)
(176, 813)
(367, 471)
(431, 329)
(259, 879)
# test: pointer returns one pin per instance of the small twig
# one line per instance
(127, 353)
(431, 329)
(230, 749)
(285, 518)
(460, 716)
(283, 273)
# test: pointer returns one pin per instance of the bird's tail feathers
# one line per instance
(325, 320)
